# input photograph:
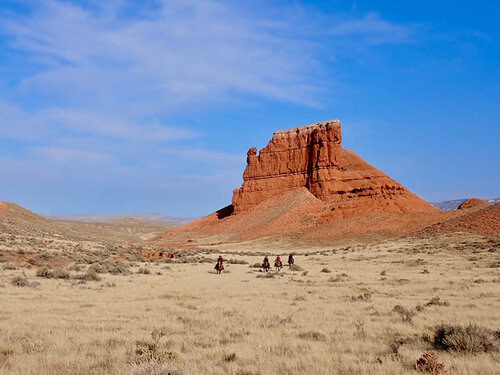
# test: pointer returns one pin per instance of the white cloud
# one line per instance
(16, 123)
(181, 52)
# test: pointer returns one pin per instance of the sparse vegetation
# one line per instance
(19, 281)
(144, 271)
(185, 320)
(405, 314)
(465, 339)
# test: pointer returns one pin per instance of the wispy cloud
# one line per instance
(372, 29)
(72, 156)
(106, 78)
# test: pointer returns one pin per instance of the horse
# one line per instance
(277, 264)
(265, 265)
(219, 266)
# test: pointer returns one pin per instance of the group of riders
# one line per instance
(278, 265)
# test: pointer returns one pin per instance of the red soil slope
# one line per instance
(300, 216)
(481, 220)
(3, 206)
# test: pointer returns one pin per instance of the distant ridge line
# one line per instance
(150, 217)
(453, 204)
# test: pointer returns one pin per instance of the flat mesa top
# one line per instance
(306, 128)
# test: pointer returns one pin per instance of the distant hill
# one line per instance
(453, 205)
(150, 217)
(18, 221)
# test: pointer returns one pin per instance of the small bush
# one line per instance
(44, 272)
(406, 315)
(90, 275)
(312, 335)
(256, 265)
(144, 271)
(468, 339)
(366, 296)
(61, 274)
(436, 301)
(325, 270)
(116, 267)
(19, 281)
(230, 357)
(10, 266)
(147, 350)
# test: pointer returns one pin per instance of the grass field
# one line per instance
(335, 314)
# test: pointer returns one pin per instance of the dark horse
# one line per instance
(219, 266)
(265, 264)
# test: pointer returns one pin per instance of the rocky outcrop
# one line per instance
(473, 202)
(312, 157)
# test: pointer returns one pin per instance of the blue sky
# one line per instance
(150, 106)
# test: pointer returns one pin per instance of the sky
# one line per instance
(121, 106)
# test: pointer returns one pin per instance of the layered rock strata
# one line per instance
(312, 156)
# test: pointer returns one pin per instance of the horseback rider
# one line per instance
(265, 264)
(290, 260)
(277, 263)
(219, 266)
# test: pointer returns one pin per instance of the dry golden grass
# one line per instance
(182, 318)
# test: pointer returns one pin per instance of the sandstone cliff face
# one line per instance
(312, 157)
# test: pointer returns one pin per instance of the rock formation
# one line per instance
(312, 157)
(473, 202)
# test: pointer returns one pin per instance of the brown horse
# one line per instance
(277, 264)
(219, 266)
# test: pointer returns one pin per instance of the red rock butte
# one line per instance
(312, 156)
